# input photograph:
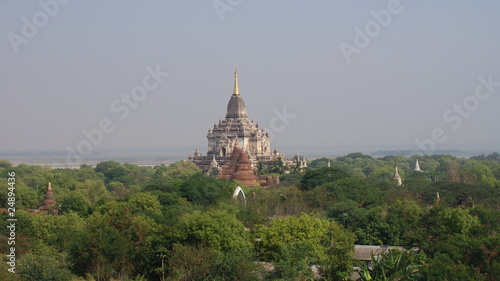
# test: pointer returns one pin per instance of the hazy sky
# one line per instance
(351, 73)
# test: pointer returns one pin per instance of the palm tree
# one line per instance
(394, 265)
(278, 167)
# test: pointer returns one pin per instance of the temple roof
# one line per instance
(236, 107)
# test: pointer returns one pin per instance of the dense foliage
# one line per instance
(126, 222)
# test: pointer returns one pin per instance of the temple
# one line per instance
(236, 128)
(49, 204)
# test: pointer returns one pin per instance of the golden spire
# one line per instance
(235, 91)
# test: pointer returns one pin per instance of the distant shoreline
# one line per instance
(57, 159)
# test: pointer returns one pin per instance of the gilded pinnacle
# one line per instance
(236, 91)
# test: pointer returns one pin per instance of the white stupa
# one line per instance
(396, 176)
(417, 167)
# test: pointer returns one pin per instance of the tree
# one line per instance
(355, 189)
(5, 164)
(293, 260)
(338, 262)
(194, 263)
(442, 267)
(145, 202)
(290, 179)
(373, 229)
(347, 213)
(114, 244)
(75, 201)
(314, 178)
(32, 175)
(94, 190)
(456, 220)
(103, 167)
(484, 175)
(304, 228)
(392, 265)
(405, 216)
(203, 190)
(118, 190)
(384, 174)
(189, 263)
(277, 167)
(319, 163)
(44, 267)
(234, 265)
(260, 168)
(57, 231)
(216, 229)
(26, 197)
(359, 164)
(181, 170)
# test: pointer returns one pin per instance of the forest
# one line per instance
(121, 221)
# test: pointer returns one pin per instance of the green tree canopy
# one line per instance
(114, 244)
(203, 190)
(304, 228)
(216, 229)
(355, 189)
(314, 178)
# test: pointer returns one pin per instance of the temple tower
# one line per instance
(417, 167)
(396, 176)
(49, 202)
(236, 128)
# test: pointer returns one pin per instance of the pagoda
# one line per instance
(49, 204)
(239, 168)
(396, 176)
(235, 128)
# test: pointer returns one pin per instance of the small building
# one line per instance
(363, 253)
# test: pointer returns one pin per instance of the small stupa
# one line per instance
(396, 176)
(49, 202)
(239, 168)
(417, 167)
